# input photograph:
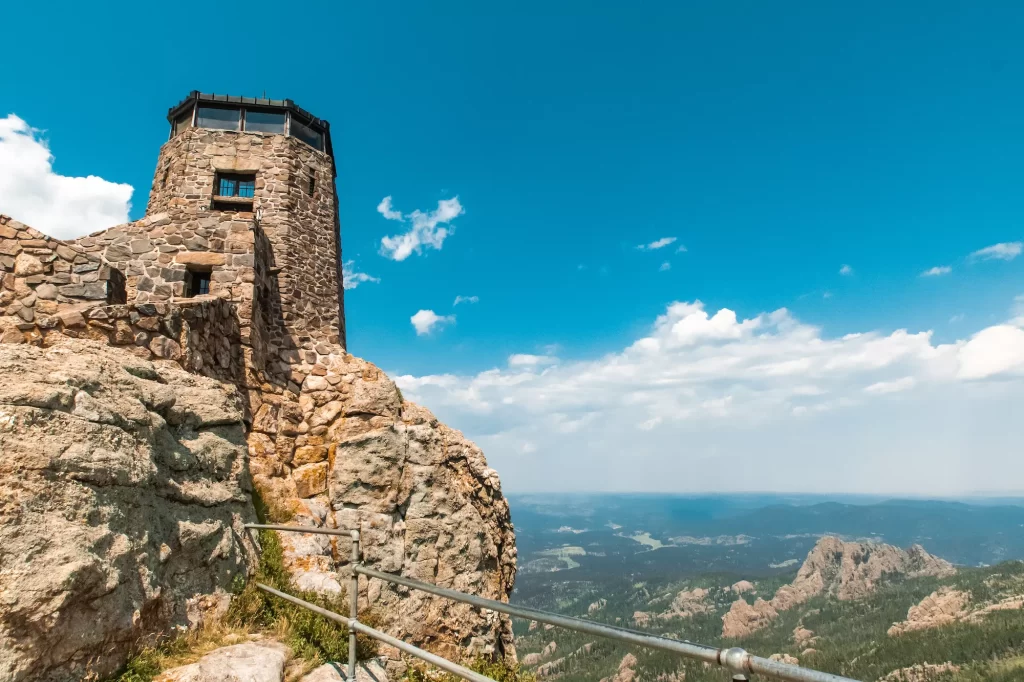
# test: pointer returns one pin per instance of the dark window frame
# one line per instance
(197, 282)
(242, 185)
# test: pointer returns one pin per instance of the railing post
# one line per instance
(353, 600)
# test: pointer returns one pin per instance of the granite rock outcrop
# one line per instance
(126, 487)
(845, 570)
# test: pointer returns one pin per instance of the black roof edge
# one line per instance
(195, 97)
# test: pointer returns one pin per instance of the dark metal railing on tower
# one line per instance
(738, 662)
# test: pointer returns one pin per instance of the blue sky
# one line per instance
(777, 144)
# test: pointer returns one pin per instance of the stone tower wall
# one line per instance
(282, 271)
(302, 228)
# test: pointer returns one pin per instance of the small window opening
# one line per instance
(234, 191)
(167, 173)
(197, 283)
(312, 184)
(116, 291)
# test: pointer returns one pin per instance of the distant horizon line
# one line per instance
(887, 495)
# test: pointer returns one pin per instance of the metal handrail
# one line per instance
(355, 626)
(738, 661)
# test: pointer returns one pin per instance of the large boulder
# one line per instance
(125, 487)
(257, 661)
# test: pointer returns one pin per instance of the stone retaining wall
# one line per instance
(201, 335)
(40, 274)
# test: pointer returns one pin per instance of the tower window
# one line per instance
(234, 191)
(197, 283)
(264, 122)
(218, 119)
(311, 136)
(236, 185)
(312, 184)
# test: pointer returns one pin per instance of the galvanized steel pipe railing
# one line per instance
(355, 626)
(736, 660)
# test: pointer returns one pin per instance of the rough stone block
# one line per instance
(25, 265)
(310, 479)
(166, 348)
(92, 291)
(207, 258)
(309, 454)
(46, 291)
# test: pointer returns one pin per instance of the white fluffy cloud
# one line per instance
(466, 299)
(353, 278)
(61, 206)
(937, 271)
(665, 267)
(846, 270)
(384, 208)
(426, 229)
(1003, 251)
(997, 350)
(657, 244)
(715, 402)
(425, 321)
(527, 360)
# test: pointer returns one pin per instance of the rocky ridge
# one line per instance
(922, 672)
(686, 604)
(947, 605)
(845, 570)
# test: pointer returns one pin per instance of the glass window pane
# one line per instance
(219, 119)
(227, 188)
(303, 132)
(183, 121)
(246, 188)
(264, 122)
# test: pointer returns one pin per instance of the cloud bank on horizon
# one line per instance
(715, 403)
(60, 206)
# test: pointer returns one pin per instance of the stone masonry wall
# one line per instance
(40, 274)
(155, 254)
(301, 227)
(200, 334)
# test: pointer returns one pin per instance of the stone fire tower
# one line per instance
(243, 206)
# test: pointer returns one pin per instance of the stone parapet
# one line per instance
(201, 335)
(40, 275)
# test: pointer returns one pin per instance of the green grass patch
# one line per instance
(312, 637)
(499, 670)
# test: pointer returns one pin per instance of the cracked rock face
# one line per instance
(125, 488)
(349, 453)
